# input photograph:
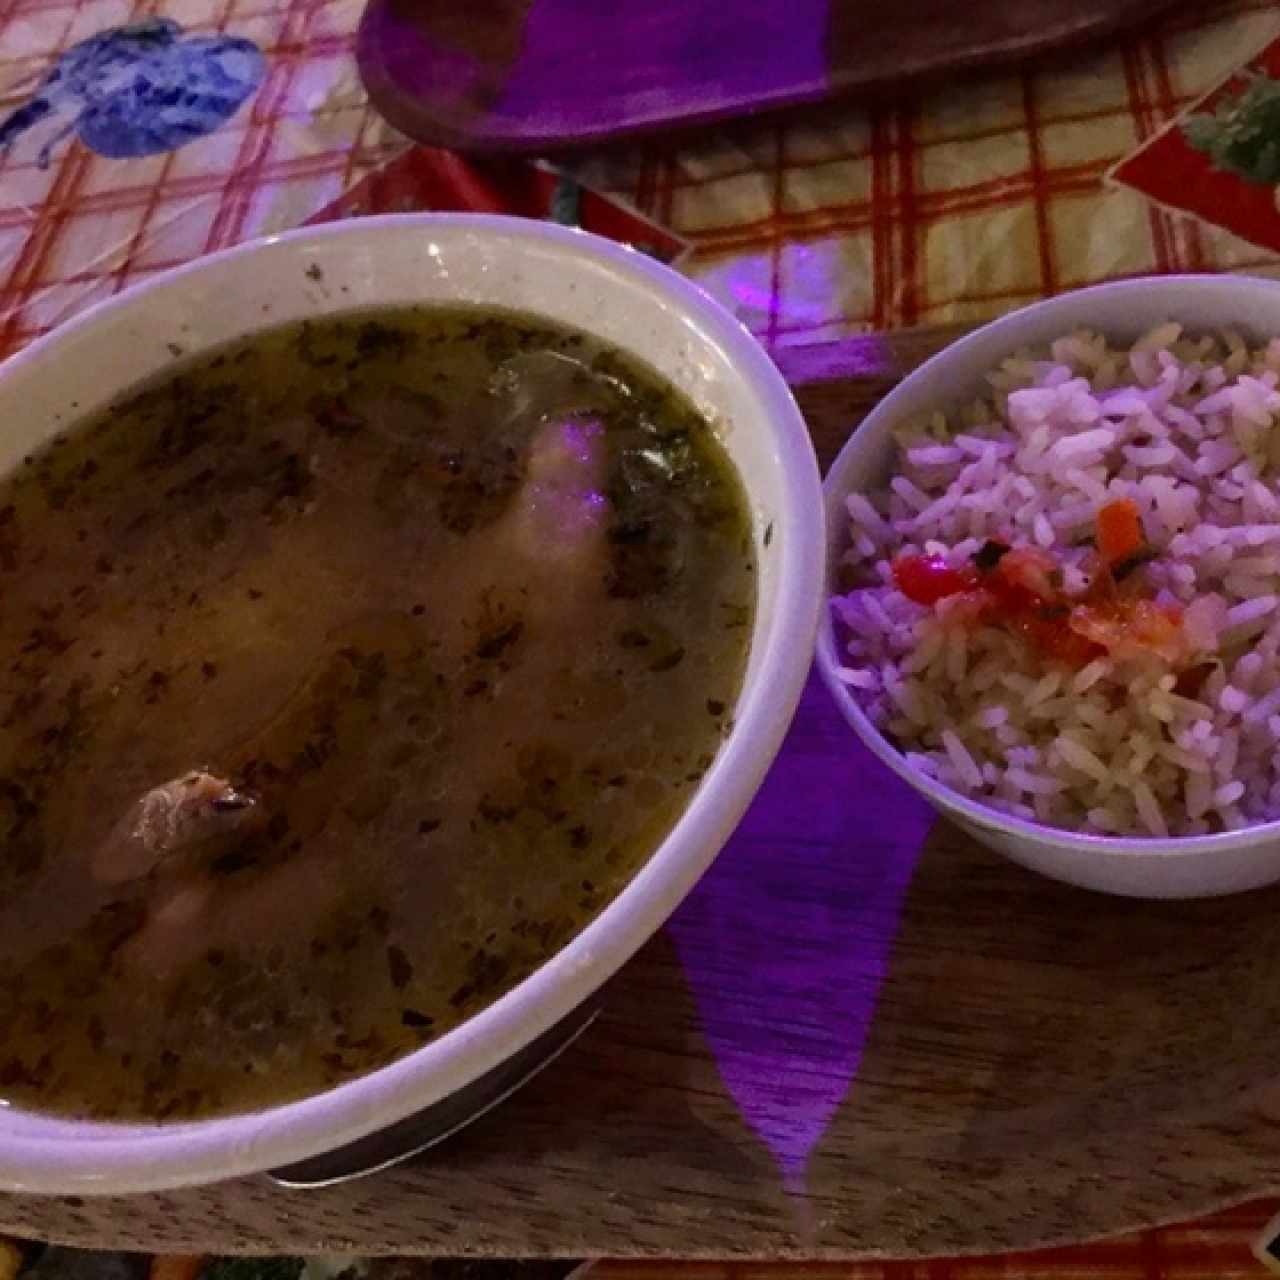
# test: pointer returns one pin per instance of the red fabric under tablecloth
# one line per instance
(1218, 1248)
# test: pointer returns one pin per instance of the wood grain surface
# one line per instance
(863, 1035)
(548, 74)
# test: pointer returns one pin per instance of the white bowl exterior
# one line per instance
(1193, 867)
(559, 274)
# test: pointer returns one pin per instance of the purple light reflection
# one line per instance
(784, 973)
(718, 58)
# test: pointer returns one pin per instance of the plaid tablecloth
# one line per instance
(953, 205)
(86, 225)
(950, 206)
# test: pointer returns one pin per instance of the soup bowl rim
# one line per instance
(48, 1154)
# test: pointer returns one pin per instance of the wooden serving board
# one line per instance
(863, 1035)
(541, 75)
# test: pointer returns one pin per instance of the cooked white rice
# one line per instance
(1187, 428)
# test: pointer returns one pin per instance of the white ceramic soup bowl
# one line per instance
(1188, 867)
(562, 275)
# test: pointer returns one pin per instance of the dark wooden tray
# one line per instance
(538, 75)
(862, 1036)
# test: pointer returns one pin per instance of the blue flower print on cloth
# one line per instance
(139, 90)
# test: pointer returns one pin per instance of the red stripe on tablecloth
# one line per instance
(35, 253)
(245, 178)
(929, 207)
(775, 224)
(1039, 186)
(158, 191)
(667, 189)
(647, 180)
(881, 236)
(202, 184)
(684, 180)
(1146, 126)
(43, 6)
(29, 267)
(14, 8)
(356, 151)
(907, 302)
(1190, 239)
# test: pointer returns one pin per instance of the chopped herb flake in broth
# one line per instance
(348, 673)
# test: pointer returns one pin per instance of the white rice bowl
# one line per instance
(1184, 424)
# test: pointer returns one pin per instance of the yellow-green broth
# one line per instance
(291, 564)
